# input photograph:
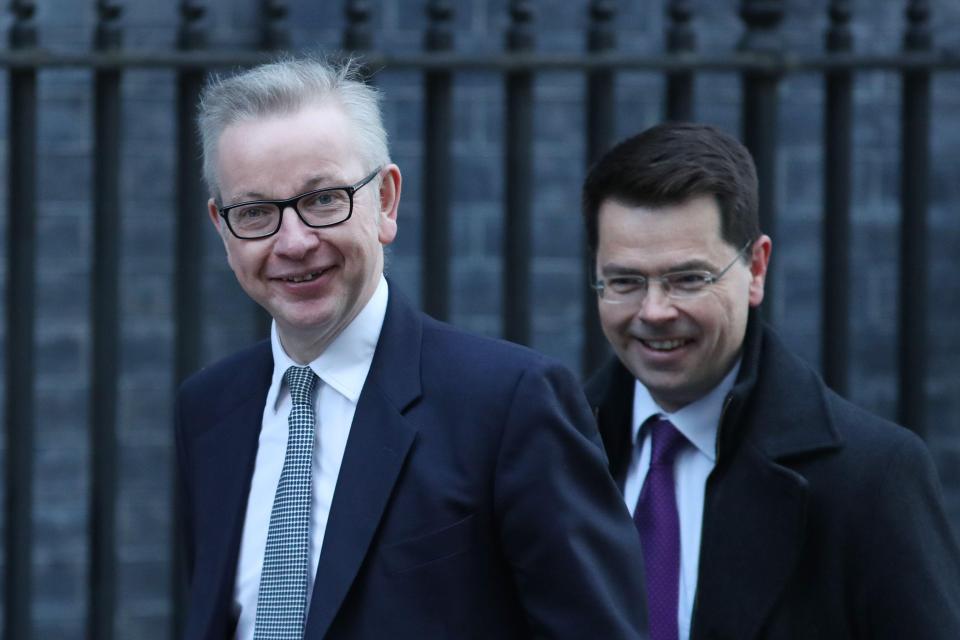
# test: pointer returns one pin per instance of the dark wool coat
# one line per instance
(473, 500)
(820, 519)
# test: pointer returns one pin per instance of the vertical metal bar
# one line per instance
(914, 160)
(437, 174)
(20, 374)
(680, 39)
(759, 116)
(191, 197)
(275, 35)
(106, 330)
(276, 31)
(518, 180)
(837, 142)
(358, 36)
(601, 128)
(189, 251)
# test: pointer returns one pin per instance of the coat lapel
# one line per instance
(224, 455)
(756, 505)
(380, 438)
(752, 534)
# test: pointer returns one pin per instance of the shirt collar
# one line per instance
(344, 364)
(697, 421)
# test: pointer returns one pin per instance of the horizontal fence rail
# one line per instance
(759, 61)
(776, 63)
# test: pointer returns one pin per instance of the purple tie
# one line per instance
(659, 526)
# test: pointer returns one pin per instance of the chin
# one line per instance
(305, 321)
(670, 391)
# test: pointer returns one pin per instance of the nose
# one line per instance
(656, 307)
(295, 239)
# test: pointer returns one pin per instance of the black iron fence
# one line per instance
(760, 61)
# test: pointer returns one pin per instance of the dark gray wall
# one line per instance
(148, 127)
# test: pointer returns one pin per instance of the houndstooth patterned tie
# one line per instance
(282, 599)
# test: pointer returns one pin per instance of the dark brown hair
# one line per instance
(670, 163)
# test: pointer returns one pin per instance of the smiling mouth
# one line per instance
(306, 277)
(665, 345)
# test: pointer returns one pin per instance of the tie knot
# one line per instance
(666, 441)
(300, 382)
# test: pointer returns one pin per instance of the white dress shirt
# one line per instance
(342, 369)
(698, 422)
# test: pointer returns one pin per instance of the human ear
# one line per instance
(759, 262)
(390, 184)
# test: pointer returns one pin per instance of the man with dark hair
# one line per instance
(367, 472)
(767, 506)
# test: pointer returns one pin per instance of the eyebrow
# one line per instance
(692, 265)
(615, 269)
(312, 184)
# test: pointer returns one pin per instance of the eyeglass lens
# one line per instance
(319, 209)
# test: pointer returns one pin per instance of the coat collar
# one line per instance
(610, 394)
(778, 402)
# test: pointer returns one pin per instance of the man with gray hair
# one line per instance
(368, 472)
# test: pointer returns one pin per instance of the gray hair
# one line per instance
(283, 87)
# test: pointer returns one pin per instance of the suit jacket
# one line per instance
(473, 500)
(820, 519)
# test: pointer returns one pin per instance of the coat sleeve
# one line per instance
(569, 539)
(910, 559)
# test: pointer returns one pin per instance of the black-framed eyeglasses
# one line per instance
(678, 285)
(317, 209)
